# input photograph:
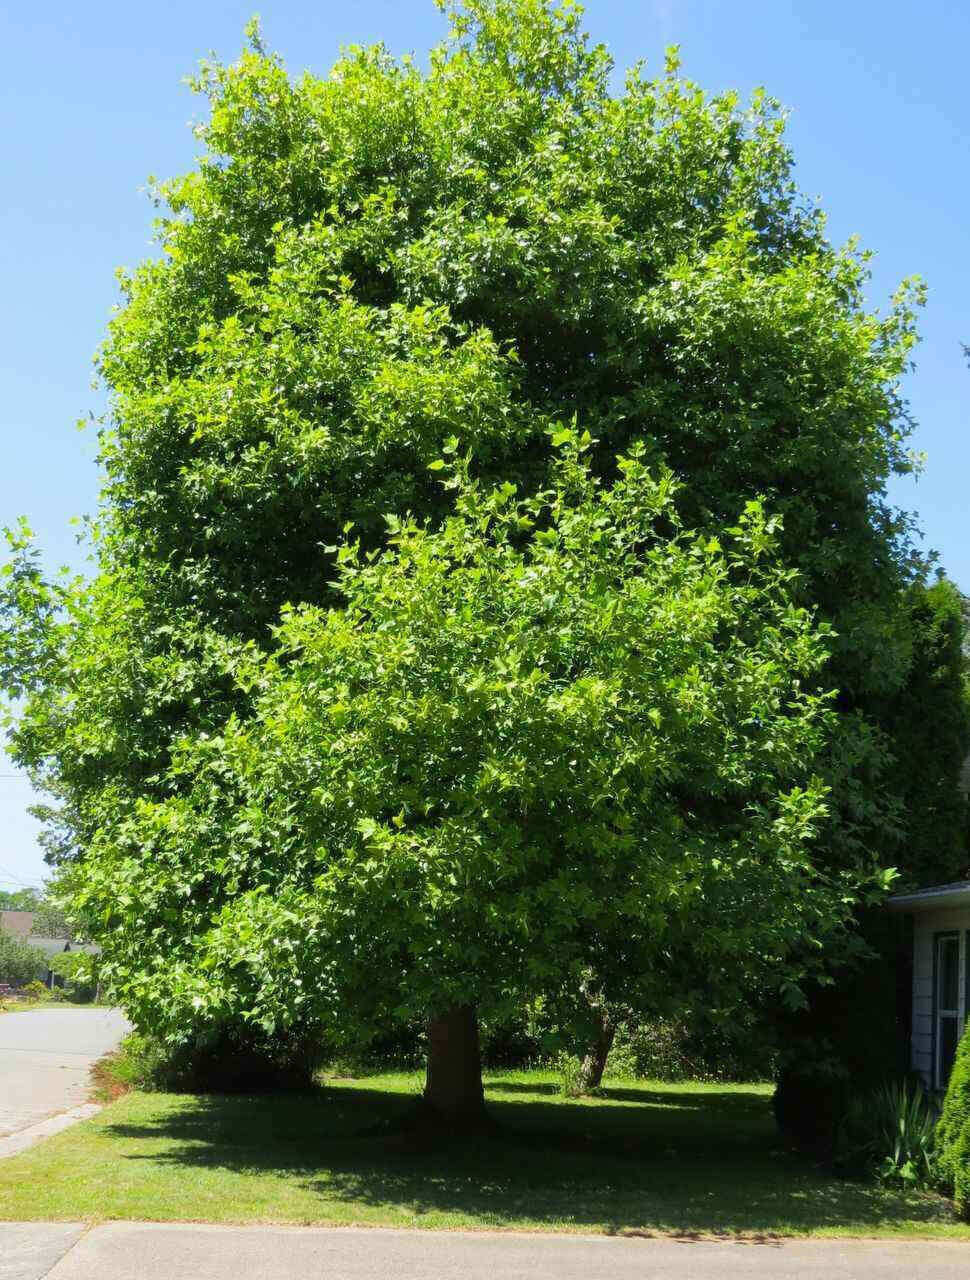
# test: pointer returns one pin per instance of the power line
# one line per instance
(17, 879)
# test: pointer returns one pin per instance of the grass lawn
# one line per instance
(644, 1158)
(10, 1005)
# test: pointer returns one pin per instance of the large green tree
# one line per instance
(364, 265)
(549, 737)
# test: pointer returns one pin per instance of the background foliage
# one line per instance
(19, 962)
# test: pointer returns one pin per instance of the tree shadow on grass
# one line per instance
(691, 1099)
(542, 1088)
(714, 1167)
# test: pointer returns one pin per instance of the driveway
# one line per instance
(45, 1058)
(160, 1251)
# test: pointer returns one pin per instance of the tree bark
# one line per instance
(453, 1091)
(594, 1063)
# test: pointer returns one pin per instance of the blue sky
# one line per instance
(92, 102)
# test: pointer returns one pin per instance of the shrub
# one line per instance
(663, 1049)
(953, 1131)
(889, 1132)
(19, 962)
(572, 1082)
(221, 1063)
(675, 1049)
(79, 974)
(812, 1094)
(849, 1039)
(139, 1062)
(513, 1042)
(35, 991)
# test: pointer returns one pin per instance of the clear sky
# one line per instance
(92, 102)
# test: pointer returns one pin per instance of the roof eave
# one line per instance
(936, 898)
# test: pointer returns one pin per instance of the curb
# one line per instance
(14, 1143)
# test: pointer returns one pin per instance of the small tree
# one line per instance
(557, 735)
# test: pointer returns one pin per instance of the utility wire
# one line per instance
(17, 879)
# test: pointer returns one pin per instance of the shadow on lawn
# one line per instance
(642, 1097)
(681, 1162)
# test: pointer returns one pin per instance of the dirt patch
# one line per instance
(107, 1082)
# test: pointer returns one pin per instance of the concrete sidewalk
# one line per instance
(163, 1251)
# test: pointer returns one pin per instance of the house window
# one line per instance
(946, 1000)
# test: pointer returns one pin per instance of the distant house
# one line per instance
(50, 947)
(941, 975)
(19, 924)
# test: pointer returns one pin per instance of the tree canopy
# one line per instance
(19, 899)
(542, 738)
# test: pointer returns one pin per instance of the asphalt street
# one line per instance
(163, 1251)
(45, 1060)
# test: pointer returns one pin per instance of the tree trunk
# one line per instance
(594, 1063)
(453, 1091)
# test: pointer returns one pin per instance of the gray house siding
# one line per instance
(928, 927)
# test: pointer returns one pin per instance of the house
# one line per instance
(18, 924)
(941, 975)
(56, 947)
(50, 947)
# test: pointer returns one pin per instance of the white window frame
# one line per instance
(956, 1014)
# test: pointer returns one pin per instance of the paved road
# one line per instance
(45, 1058)
(160, 1251)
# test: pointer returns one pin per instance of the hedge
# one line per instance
(953, 1131)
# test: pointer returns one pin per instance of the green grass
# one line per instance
(646, 1157)
(10, 1005)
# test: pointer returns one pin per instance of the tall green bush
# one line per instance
(856, 1028)
(953, 1131)
(850, 1037)
(928, 720)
